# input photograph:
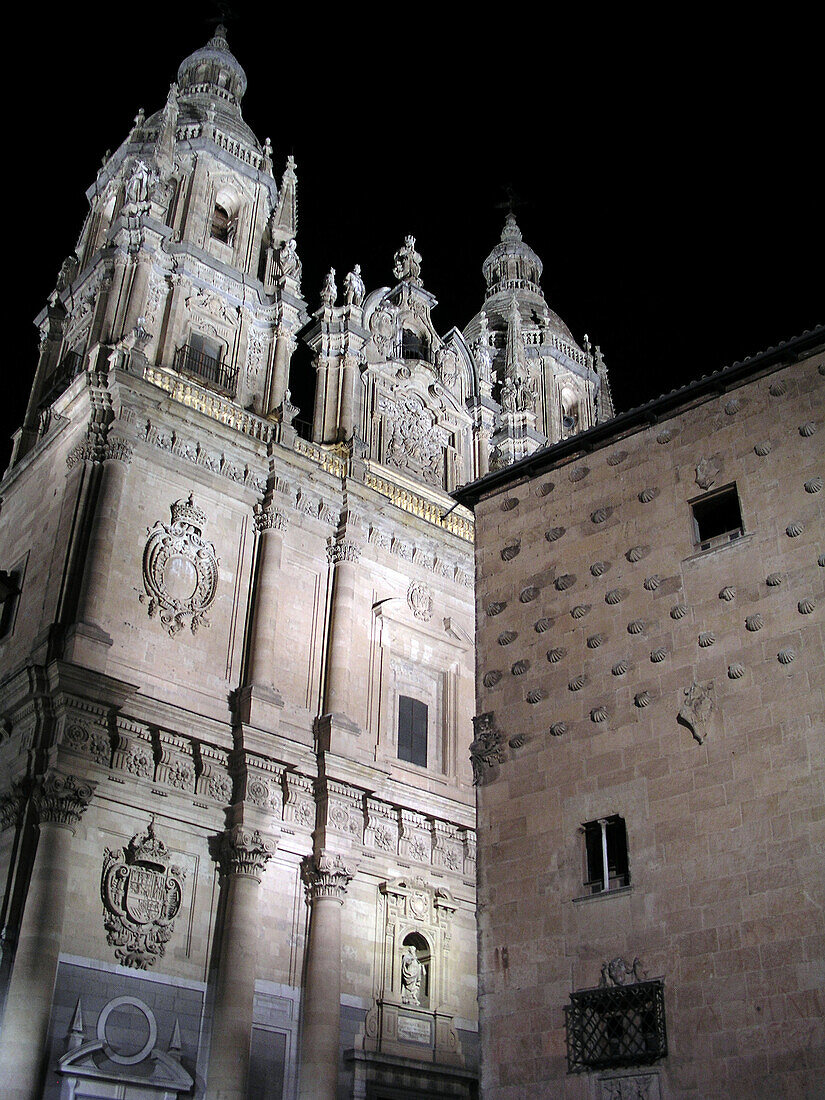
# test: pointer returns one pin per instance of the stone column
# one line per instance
(327, 876)
(245, 853)
(344, 556)
(349, 371)
(60, 802)
(280, 367)
(319, 412)
(271, 523)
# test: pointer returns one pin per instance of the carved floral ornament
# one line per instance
(142, 892)
(180, 570)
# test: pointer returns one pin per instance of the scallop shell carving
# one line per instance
(558, 729)
(814, 485)
(577, 683)
(773, 580)
(578, 473)
(736, 671)
(805, 607)
(598, 714)
(636, 627)
(820, 561)
(664, 437)
(794, 529)
(785, 656)
(520, 667)
(509, 503)
(546, 488)
(636, 553)
(763, 448)
(614, 596)
(580, 610)
(620, 668)
(555, 655)
(807, 430)
(598, 568)
(536, 696)
(541, 625)
(733, 406)
(777, 388)
(728, 593)
(678, 611)
(615, 459)
(517, 741)
(601, 514)
(658, 655)
(647, 495)
(554, 534)
(496, 607)
(511, 551)
(706, 638)
(642, 699)
(754, 622)
(651, 584)
(491, 678)
(527, 595)
(507, 636)
(594, 641)
(565, 581)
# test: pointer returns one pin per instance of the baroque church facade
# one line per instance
(237, 668)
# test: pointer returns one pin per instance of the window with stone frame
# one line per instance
(413, 718)
(616, 1024)
(717, 518)
(606, 860)
(11, 586)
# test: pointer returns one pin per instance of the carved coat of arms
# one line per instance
(142, 893)
(180, 570)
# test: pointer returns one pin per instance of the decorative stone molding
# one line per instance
(180, 570)
(142, 891)
(343, 550)
(246, 851)
(698, 710)
(299, 801)
(486, 749)
(193, 451)
(382, 827)
(61, 800)
(707, 471)
(326, 875)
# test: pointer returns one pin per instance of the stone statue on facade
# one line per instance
(407, 262)
(412, 975)
(354, 289)
(287, 262)
(329, 291)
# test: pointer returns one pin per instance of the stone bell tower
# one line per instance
(545, 385)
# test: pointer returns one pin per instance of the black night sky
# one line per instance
(668, 176)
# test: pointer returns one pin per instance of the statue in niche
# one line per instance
(354, 288)
(407, 262)
(412, 975)
(287, 264)
(137, 186)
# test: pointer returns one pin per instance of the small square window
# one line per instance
(717, 518)
(606, 860)
(412, 730)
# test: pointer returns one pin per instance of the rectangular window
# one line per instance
(717, 518)
(11, 585)
(621, 1025)
(412, 730)
(606, 861)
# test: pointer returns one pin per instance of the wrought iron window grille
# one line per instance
(616, 1026)
(206, 368)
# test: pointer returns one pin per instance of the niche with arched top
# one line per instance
(415, 970)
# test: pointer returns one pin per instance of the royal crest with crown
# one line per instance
(180, 570)
(142, 893)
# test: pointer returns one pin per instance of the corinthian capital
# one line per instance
(326, 876)
(246, 851)
(62, 799)
(271, 518)
(343, 550)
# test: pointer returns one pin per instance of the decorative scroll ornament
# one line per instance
(180, 570)
(420, 600)
(142, 893)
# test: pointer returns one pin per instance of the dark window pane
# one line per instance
(716, 515)
(412, 730)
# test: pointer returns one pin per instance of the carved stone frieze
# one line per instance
(414, 443)
(61, 799)
(382, 827)
(415, 841)
(246, 851)
(180, 570)
(487, 748)
(299, 801)
(214, 461)
(133, 750)
(142, 891)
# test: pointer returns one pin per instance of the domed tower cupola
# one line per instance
(213, 70)
(512, 265)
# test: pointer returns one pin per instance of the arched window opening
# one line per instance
(415, 970)
(414, 345)
(221, 223)
(570, 411)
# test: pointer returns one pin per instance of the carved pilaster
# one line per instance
(246, 852)
(62, 800)
(326, 876)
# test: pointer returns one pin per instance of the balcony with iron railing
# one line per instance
(206, 369)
